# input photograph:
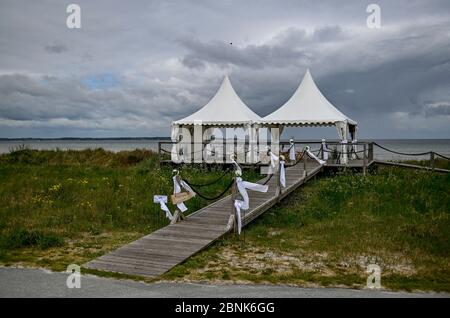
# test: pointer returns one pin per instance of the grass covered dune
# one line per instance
(63, 207)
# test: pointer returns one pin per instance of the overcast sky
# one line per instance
(134, 66)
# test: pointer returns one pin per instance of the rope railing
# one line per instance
(402, 153)
(300, 159)
(442, 156)
(268, 179)
(191, 153)
(338, 152)
(210, 198)
(210, 183)
(411, 154)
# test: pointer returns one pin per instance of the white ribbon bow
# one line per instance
(245, 203)
(355, 148)
(238, 168)
(325, 151)
(162, 200)
(273, 160)
(177, 189)
(321, 162)
(292, 152)
(282, 174)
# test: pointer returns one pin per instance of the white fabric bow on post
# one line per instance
(292, 152)
(245, 203)
(325, 150)
(313, 156)
(354, 149)
(177, 189)
(236, 165)
(344, 157)
(273, 162)
(282, 174)
(162, 200)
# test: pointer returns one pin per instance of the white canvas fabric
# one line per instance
(282, 174)
(325, 150)
(292, 152)
(177, 189)
(313, 156)
(273, 167)
(162, 200)
(307, 106)
(225, 108)
(245, 203)
(344, 155)
(175, 157)
(252, 155)
(354, 148)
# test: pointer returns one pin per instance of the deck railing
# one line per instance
(336, 152)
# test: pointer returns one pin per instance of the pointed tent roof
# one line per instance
(225, 108)
(307, 106)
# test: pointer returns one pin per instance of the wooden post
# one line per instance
(159, 153)
(370, 155)
(232, 222)
(364, 159)
(278, 189)
(178, 215)
(432, 160)
(224, 150)
(304, 164)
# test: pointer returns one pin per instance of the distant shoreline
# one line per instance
(168, 138)
(87, 138)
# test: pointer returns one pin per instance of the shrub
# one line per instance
(25, 238)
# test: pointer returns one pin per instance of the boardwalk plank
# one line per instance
(158, 252)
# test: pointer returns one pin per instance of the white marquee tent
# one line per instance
(224, 110)
(308, 107)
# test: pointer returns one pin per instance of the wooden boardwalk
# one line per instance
(156, 253)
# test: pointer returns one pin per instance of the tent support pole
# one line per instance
(364, 159)
(432, 160)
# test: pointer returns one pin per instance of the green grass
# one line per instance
(61, 207)
(328, 231)
(438, 163)
(64, 207)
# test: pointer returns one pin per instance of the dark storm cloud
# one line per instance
(134, 67)
(288, 48)
(224, 54)
(361, 75)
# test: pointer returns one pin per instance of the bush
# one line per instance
(25, 238)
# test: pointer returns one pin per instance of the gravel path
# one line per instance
(20, 282)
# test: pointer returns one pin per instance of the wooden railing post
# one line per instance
(304, 164)
(370, 154)
(364, 159)
(233, 208)
(277, 175)
(432, 160)
(224, 150)
(159, 153)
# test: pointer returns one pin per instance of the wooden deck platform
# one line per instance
(156, 253)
